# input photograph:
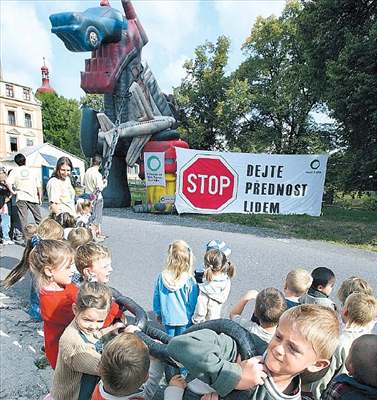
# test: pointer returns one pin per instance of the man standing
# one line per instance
(94, 184)
(27, 186)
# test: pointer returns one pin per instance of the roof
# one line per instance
(26, 151)
(51, 160)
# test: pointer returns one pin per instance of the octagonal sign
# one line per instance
(208, 183)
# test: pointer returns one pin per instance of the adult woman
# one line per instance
(61, 194)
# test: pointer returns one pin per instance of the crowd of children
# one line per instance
(303, 347)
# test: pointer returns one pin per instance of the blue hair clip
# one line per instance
(35, 240)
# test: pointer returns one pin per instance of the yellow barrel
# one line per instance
(161, 198)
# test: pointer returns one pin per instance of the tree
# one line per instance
(340, 39)
(94, 101)
(281, 99)
(200, 93)
(61, 122)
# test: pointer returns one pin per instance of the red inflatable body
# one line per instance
(168, 147)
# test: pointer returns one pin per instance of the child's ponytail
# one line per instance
(47, 229)
(230, 270)
(20, 270)
(215, 261)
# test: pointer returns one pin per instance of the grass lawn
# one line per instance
(354, 227)
(346, 223)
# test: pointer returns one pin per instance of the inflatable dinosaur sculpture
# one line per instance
(135, 109)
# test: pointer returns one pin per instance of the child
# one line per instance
(80, 345)
(93, 262)
(358, 315)
(30, 230)
(176, 291)
(214, 290)
(321, 288)
(5, 195)
(212, 245)
(362, 367)
(47, 229)
(297, 284)
(79, 236)
(352, 285)
(269, 306)
(51, 262)
(84, 211)
(66, 220)
(305, 340)
(126, 370)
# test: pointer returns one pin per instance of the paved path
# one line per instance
(139, 244)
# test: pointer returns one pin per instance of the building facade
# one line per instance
(20, 118)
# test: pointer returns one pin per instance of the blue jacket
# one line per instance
(174, 301)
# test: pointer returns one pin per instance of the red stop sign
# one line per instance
(208, 183)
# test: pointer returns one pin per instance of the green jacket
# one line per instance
(211, 357)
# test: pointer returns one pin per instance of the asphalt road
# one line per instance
(139, 244)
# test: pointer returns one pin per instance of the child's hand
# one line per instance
(131, 329)
(123, 318)
(117, 327)
(210, 396)
(250, 295)
(113, 329)
(178, 381)
(253, 373)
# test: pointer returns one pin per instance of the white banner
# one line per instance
(154, 167)
(215, 183)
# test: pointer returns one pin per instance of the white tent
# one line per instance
(44, 158)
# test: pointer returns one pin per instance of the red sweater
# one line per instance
(56, 311)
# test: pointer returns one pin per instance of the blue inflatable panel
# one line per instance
(89, 128)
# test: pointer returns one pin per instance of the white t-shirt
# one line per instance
(62, 193)
(26, 181)
(253, 327)
(93, 180)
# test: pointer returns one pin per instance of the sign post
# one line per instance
(213, 183)
(154, 169)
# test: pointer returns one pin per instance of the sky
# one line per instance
(174, 28)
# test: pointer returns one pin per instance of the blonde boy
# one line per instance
(358, 315)
(126, 370)
(79, 236)
(93, 261)
(305, 339)
(351, 285)
(297, 283)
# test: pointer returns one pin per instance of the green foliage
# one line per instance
(61, 122)
(94, 101)
(265, 105)
(200, 93)
(341, 50)
(317, 56)
(280, 98)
